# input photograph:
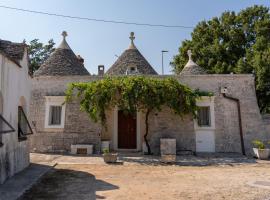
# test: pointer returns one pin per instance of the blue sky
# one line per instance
(97, 42)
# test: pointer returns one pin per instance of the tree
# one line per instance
(132, 94)
(233, 42)
(38, 53)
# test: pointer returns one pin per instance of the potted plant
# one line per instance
(109, 157)
(260, 150)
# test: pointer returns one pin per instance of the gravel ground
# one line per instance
(137, 181)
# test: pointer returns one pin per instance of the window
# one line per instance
(24, 127)
(205, 114)
(132, 70)
(204, 118)
(55, 115)
(55, 112)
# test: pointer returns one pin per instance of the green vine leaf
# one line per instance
(134, 93)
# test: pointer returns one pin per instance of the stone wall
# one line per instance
(227, 132)
(227, 128)
(166, 124)
(266, 121)
(78, 129)
(161, 124)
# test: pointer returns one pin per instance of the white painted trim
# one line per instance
(55, 101)
(115, 131)
(206, 101)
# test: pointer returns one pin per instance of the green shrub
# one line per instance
(259, 144)
(106, 151)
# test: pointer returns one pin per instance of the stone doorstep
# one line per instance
(15, 187)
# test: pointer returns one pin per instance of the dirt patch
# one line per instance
(124, 182)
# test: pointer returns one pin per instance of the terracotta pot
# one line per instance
(110, 157)
(262, 154)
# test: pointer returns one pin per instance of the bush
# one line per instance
(106, 151)
(259, 144)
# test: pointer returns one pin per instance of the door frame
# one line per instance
(206, 101)
(115, 131)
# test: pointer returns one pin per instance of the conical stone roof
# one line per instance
(131, 59)
(191, 68)
(62, 62)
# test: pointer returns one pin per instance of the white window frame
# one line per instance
(55, 101)
(206, 101)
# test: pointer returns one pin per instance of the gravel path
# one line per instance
(136, 181)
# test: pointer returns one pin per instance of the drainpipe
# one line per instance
(224, 91)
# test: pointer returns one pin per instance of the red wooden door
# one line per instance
(127, 136)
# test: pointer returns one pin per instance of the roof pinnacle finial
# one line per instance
(64, 34)
(64, 44)
(189, 53)
(132, 38)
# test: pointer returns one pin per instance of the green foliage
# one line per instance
(258, 144)
(131, 94)
(134, 93)
(106, 151)
(38, 53)
(233, 42)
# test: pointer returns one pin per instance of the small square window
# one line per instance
(204, 116)
(55, 115)
(55, 112)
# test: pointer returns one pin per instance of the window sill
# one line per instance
(53, 129)
(201, 128)
(22, 138)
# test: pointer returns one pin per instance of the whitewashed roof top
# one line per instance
(192, 68)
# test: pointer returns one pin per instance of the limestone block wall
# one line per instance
(15, 87)
(226, 116)
(266, 121)
(166, 124)
(78, 129)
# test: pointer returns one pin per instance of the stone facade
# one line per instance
(266, 121)
(227, 129)
(78, 129)
(222, 134)
(165, 124)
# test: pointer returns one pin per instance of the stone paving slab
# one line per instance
(14, 187)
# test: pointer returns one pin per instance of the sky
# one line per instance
(100, 43)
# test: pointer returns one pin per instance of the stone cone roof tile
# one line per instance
(131, 58)
(13, 51)
(62, 62)
(191, 68)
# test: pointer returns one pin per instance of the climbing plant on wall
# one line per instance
(131, 94)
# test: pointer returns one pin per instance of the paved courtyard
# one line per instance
(137, 178)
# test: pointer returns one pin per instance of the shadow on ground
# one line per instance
(67, 185)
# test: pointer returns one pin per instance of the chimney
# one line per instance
(81, 60)
(101, 70)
